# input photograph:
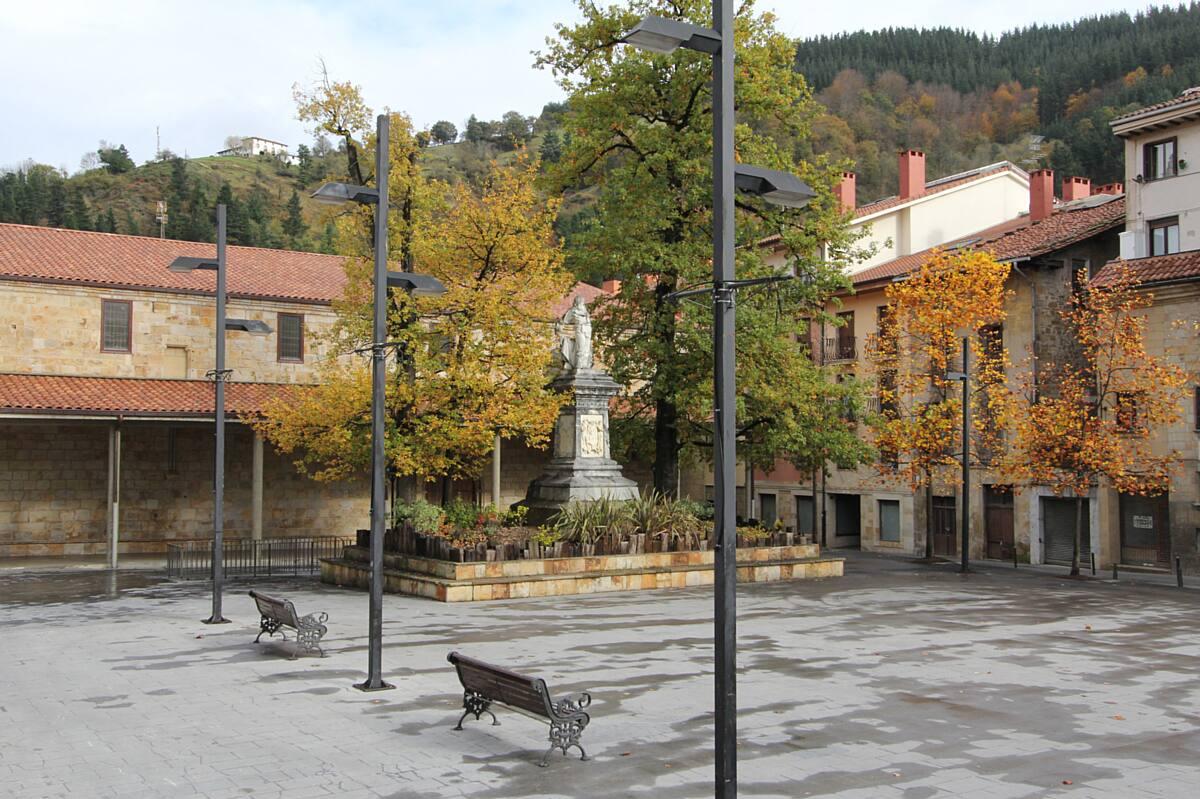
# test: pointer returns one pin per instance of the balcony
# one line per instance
(841, 348)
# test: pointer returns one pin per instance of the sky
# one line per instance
(78, 71)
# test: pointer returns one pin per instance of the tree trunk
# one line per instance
(929, 520)
(1077, 537)
(666, 446)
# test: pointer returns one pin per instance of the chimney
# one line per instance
(611, 287)
(1111, 188)
(845, 191)
(912, 174)
(1041, 194)
(1076, 189)
(1127, 243)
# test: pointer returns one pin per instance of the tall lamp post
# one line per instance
(965, 377)
(416, 285)
(665, 36)
(219, 375)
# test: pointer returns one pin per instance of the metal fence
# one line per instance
(269, 557)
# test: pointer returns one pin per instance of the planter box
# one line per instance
(466, 582)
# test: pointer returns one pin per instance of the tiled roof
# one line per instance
(1018, 238)
(1156, 269)
(131, 397)
(140, 262)
(585, 290)
(1186, 97)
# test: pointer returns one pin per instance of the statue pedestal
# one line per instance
(582, 468)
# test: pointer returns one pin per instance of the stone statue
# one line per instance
(577, 348)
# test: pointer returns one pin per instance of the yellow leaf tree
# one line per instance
(478, 357)
(1092, 419)
(918, 427)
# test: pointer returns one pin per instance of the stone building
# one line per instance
(106, 411)
(858, 507)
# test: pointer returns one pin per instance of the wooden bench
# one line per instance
(278, 613)
(484, 684)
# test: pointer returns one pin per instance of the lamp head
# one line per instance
(252, 326)
(339, 193)
(188, 263)
(660, 35)
(415, 284)
(773, 185)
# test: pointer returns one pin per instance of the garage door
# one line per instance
(1058, 531)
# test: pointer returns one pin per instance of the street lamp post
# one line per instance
(965, 377)
(219, 375)
(417, 285)
(664, 36)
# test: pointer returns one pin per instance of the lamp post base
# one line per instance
(216, 620)
(366, 686)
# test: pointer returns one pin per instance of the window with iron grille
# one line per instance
(116, 317)
(1125, 412)
(291, 337)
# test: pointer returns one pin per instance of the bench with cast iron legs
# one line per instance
(484, 684)
(278, 613)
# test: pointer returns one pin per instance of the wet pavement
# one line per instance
(898, 680)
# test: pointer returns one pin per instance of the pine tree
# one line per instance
(56, 211)
(294, 226)
(78, 217)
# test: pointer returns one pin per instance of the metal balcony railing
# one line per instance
(841, 348)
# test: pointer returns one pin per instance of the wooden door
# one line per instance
(998, 522)
(943, 526)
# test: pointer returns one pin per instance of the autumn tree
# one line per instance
(1093, 420)
(918, 427)
(640, 126)
(336, 107)
(480, 354)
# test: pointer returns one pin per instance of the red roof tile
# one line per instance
(113, 396)
(1156, 269)
(1187, 96)
(585, 290)
(74, 256)
(1017, 238)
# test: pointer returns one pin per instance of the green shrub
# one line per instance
(424, 518)
(462, 515)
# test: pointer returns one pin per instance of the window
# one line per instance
(889, 520)
(804, 515)
(1159, 160)
(291, 337)
(172, 451)
(116, 318)
(1164, 236)
(767, 510)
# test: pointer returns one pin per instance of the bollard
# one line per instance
(1114, 570)
(1093, 564)
(1178, 572)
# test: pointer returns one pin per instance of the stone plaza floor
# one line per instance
(898, 680)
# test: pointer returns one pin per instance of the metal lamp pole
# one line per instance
(218, 555)
(966, 455)
(374, 681)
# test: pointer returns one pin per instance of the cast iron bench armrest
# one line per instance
(484, 685)
(278, 613)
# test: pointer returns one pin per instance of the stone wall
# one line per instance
(56, 330)
(53, 486)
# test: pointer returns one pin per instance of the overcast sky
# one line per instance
(76, 71)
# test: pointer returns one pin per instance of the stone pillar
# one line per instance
(256, 490)
(114, 493)
(582, 468)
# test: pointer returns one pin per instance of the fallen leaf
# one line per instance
(1119, 717)
(626, 754)
(1068, 782)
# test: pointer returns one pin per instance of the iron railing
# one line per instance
(841, 348)
(269, 557)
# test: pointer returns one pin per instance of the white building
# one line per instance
(250, 146)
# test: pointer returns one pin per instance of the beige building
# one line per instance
(106, 409)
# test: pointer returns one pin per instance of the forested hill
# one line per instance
(953, 92)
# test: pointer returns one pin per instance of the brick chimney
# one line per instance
(1076, 189)
(912, 174)
(1111, 188)
(611, 287)
(845, 191)
(1041, 194)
